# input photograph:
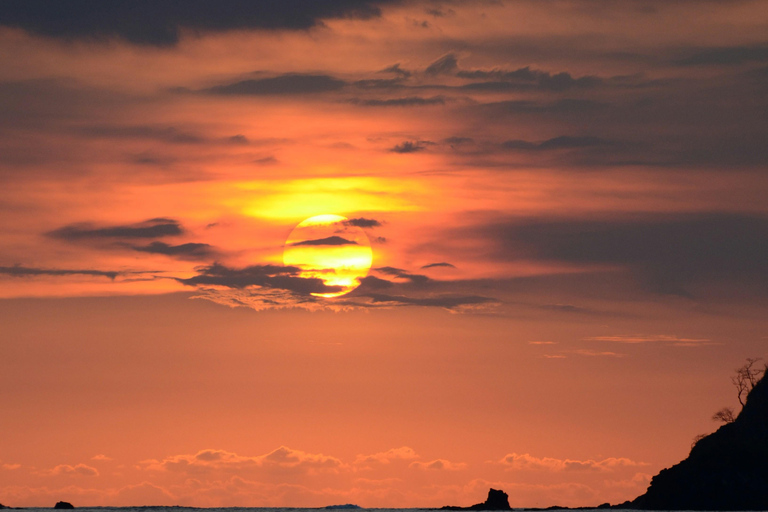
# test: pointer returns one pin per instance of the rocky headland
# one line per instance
(726, 470)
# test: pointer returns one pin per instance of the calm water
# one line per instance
(265, 509)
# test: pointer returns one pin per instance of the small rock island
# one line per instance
(63, 505)
(497, 500)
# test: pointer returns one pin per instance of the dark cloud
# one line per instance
(564, 106)
(19, 271)
(331, 240)
(396, 69)
(152, 228)
(160, 22)
(362, 222)
(445, 64)
(403, 274)
(373, 283)
(238, 140)
(668, 253)
(411, 146)
(163, 133)
(189, 250)
(443, 301)
(458, 141)
(562, 142)
(380, 83)
(438, 12)
(267, 276)
(410, 101)
(291, 83)
(730, 55)
(527, 79)
(441, 264)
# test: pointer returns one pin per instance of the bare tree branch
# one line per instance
(746, 377)
(725, 415)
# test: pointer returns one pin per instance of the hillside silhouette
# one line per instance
(726, 470)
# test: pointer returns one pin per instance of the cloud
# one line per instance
(403, 274)
(449, 302)
(189, 250)
(362, 222)
(438, 464)
(169, 134)
(440, 264)
(726, 56)
(160, 23)
(269, 276)
(373, 283)
(410, 146)
(660, 338)
(562, 142)
(282, 458)
(331, 240)
(152, 228)
(668, 253)
(101, 456)
(458, 141)
(394, 454)
(563, 106)
(291, 83)
(525, 461)
(11, 467)
(19, 271)
(595, 353)
(164, 133)
(410, 101)
(79, 469)
(396, 69)
(445, 64)
(527, 79)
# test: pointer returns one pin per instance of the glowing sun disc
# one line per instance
(332, 249)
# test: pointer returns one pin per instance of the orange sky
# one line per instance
(565, 201)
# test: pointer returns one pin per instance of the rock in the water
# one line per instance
(726, 470)
(63, 504)
(497, 500)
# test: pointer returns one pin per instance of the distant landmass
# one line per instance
(348, 506)
(726, 470)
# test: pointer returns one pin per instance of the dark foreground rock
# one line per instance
(726, 470)
(64, 505)
(497, 500)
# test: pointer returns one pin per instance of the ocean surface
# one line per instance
(273, 509)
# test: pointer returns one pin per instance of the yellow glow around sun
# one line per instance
(330, 248)
(298, 199)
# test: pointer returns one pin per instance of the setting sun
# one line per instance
(331, 248)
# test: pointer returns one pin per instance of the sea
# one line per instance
(297, 509)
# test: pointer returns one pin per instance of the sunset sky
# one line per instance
(565, 203)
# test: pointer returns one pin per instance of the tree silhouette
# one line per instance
(746, 377)
(725, 415)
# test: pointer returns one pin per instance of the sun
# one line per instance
(331, 248)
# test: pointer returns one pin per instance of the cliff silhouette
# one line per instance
(726, 470)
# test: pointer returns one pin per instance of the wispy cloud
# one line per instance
(525, 461)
